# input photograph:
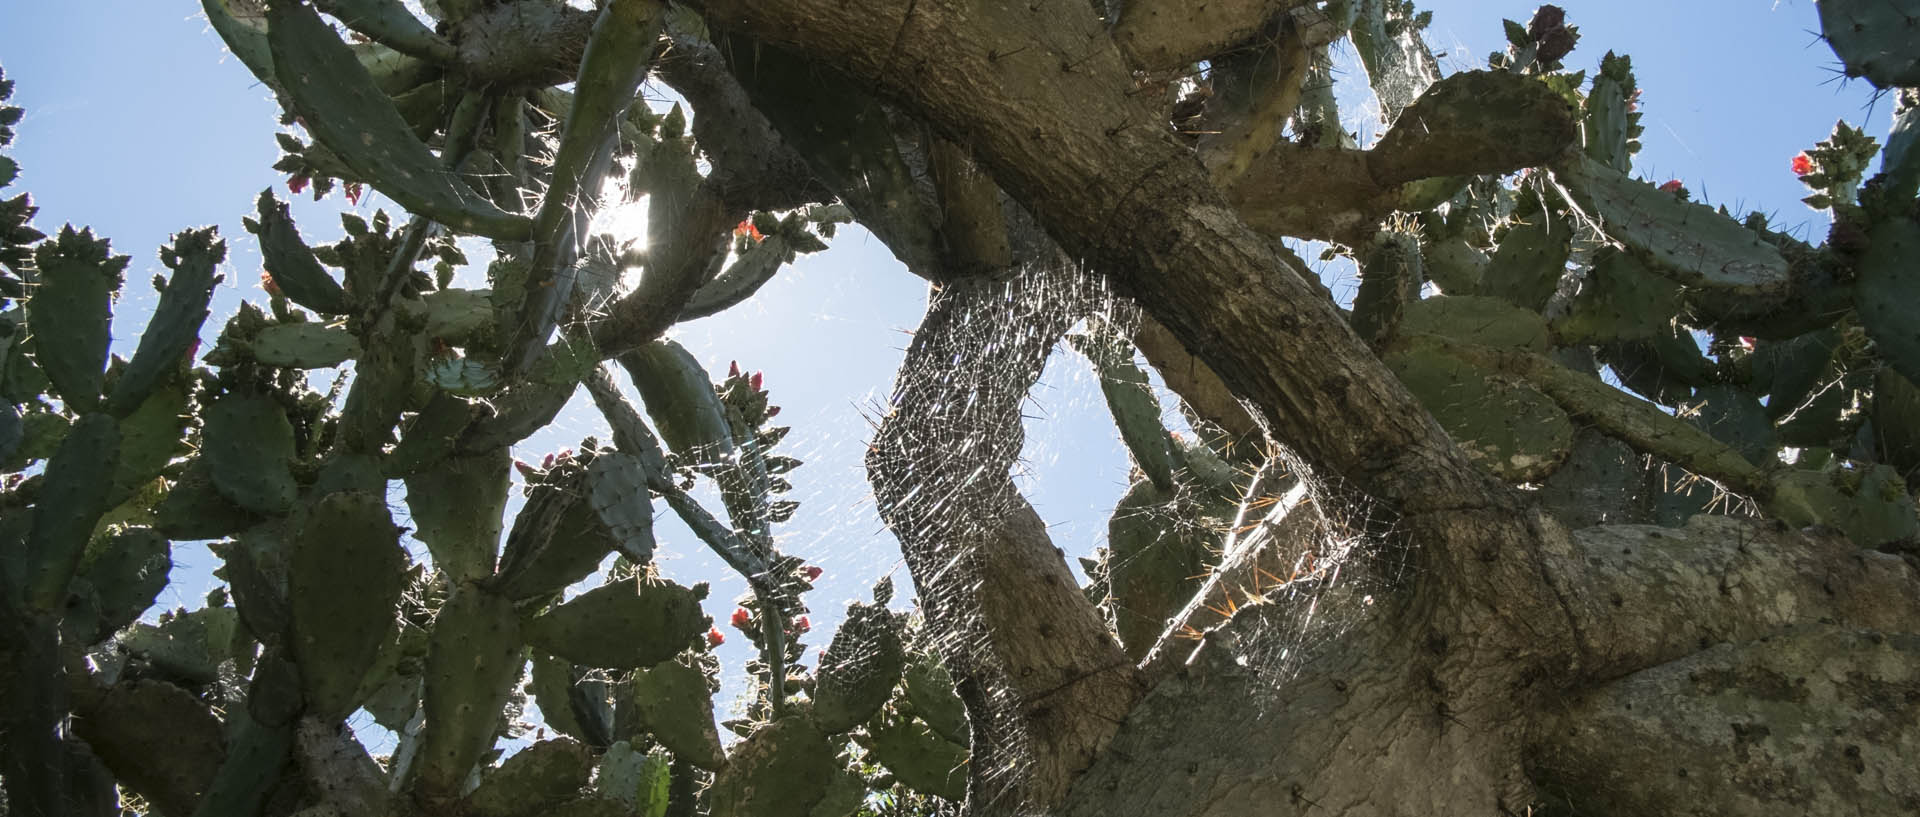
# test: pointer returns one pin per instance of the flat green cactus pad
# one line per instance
(678, 710)
(859, 669)
(622, 624)
(920, 758)
(249, 450)
(1509, 428)
(1687, 242)
(1876, 39)
(1480, 319)
(304, 345)
(782, 770)
(348, 570)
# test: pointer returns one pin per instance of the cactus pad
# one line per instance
(680, 399)
(74, 495)
(71, 313)
(859, 669)
(1687, 242)
(919, 758)
(1876, 39)
(348, 570)
(1888, 290)
(176, 321)
(1508, 428)
(473, 659)
(249, 450)
(1480, 319)
(622, 624)
(781, 770)
(678, 709)
(1872, 505)
(930, 695)
(291, 263)
(457, 511)
(534, 779)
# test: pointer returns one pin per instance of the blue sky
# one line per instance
(139, 124)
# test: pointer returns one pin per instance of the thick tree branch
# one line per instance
(1160, 35)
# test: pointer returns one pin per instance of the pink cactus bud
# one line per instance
(524, 469)
(754, 381)
(1672, 186)
(773, 411)
(733, 368)
(354, 191)
(813, 573)
(298, 184)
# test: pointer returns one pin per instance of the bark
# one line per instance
(1429, 700)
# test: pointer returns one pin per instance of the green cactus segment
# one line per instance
(1136, 412)
(1876, 39)
(189, 646)
(1507, 427)
(557, 538)
(346, 112)
(432, 436)
(1474, 122)
(348, 570)
(243, 26)
(930, 695)
(1896, 422)
(617, 491)
(681, 400)
(919, 758)
(461, 317)
(159, 739)
(1613, 127)
(304, 345)
(859, 670)
(176, 321)
(123, 574)
(388, 22)
(622, 624)
(1871, 505)
(782, 770)
(390, 692)
(1455, 265)
(458, 507)
(150, 438)
(1687, 242)
(1665, 369)
(249, 449)
(473, 659)
(1532, 256)
(194, 509)
(748, 272)
(71, 313)
(1887, 292)
(844, 798)
(641, 782)
(1160, 550)
(677, 706)
(256, 573)
(1901, 158)
(616, 59)
(575, 707)
(1790, 371)
(1736, 418)
(536, 778)
(1485, 320)
(257, 755)
(291, 262)
(1390, 276)
(1619, 300)
(77, 483)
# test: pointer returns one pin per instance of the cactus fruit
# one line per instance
(677, 706)
(249, 450)
(918, 757)
(473, 658)
(1875, 39)
(656, 619)
(534, 779)
(304, 346)
(291, 263)
(782, 770)
(457, 510)
(348, 113)
(71, 313)
(859, 669)
(175, 325)
(347, 572)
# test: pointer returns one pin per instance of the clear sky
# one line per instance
(139, 124)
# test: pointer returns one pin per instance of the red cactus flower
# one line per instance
(354, 191)
(1802, 165)
(741, 618)
(1672, 186)
(801, 624)
(714, 637)
(746, 228)
(813, 573)
(298, 184)
(267, 283)
(754, 381)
